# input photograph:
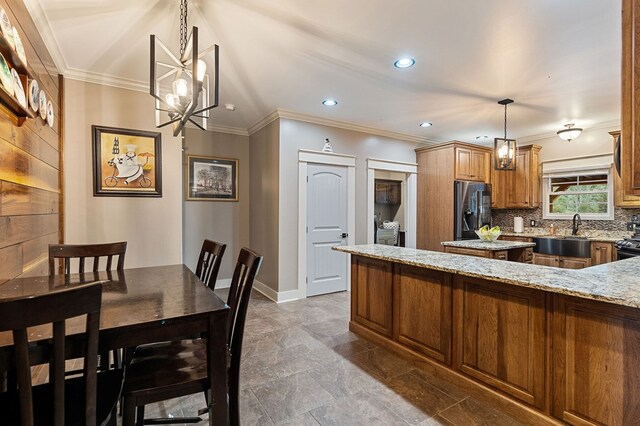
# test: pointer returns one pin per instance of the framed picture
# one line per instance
(211, 179)
(126, 163)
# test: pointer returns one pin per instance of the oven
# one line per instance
(626, 255)
(628, 248)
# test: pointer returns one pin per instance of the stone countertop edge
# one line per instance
(617, 282)
(486, 245)
(534, 235)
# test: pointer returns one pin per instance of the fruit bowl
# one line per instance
(490, 235)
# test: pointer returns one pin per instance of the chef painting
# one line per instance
(129, 168)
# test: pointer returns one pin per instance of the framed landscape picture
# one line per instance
(211, 179)
(126, 163)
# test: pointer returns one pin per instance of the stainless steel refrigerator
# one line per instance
(472, 209)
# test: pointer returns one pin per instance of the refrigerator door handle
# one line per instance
(479, 195)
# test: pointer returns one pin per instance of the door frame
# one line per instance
(411, 198)
(304, 158)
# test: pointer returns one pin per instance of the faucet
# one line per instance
(576, 222)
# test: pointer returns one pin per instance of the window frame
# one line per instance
(547, 191)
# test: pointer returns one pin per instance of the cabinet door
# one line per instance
(463, 164)
(574, 262)
(499, 188)
(382, 192)
(422, 311)
(596, 363)
(630, 97)
(371, 286)
(394, 193)
(501, 337)
(518, 195)
(479, 169)
(546, 260)
(467, 251)
(602, 252)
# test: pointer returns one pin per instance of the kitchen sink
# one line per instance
(563, 246)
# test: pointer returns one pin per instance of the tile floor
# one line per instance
(302, 366)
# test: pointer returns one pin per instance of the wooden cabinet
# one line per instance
(630, 140)
(519, 188)
(422, 311)
(516, 238)
(472, 164)
(596, 362)
(371, 286)
(602, 252)
(621, 198)
(561, 261)
(438, 167)
(516, 254)
(501, 337)
(388, 192)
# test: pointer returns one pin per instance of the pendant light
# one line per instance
(504, 149)
(569, 132)
(181, 85)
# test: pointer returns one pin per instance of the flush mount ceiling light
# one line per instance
(329, 102)
(482, 137)
(404, 63)
(425, 124)
(181, 85)
(570, 132)
(504, 149)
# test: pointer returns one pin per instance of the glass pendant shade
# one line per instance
(504, 153)
(570, 132)
(183, 90)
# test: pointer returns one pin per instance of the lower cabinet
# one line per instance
(596, 363)
(561, 261)
(602, 252)
(371, 301)
(500, 337)
(428, 293)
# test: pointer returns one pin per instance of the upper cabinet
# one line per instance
(472, 164)
(630, 140)
(621, 197)
(388, 192)
(519, 188)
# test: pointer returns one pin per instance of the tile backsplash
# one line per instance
(504, 219)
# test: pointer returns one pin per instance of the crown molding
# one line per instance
(227, 129)
(34, 7)
(106, 80)
(598, 126)
(263, 122)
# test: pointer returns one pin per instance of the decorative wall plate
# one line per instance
(19, 46)
(34, 92)
(7, 30)
(50, 113)
(5, 75)
(18, 89)
(42, 107)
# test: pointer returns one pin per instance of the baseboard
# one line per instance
(225, 283)
(278, 297)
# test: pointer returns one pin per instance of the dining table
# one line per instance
(139, 305)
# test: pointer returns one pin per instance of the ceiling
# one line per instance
(559, 60)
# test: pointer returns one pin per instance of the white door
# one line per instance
(327, 227)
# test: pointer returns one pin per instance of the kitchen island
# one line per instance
(555, 343)
(515, 251)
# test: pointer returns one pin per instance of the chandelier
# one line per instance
(181, 85)
(504, 150)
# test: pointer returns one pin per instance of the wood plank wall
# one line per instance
(30, 165)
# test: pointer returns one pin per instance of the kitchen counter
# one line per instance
(616, 282)
(592, 235)
(487, 245)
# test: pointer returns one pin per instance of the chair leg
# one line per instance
(234, 401)
(140, 416)
(128, 412)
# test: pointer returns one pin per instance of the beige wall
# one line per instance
(590, 142)
(151, 226)
(223, 221)
(263, 188)
(295, 135)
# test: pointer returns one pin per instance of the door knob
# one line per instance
(344, 235)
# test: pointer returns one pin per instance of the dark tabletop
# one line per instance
(131, 299)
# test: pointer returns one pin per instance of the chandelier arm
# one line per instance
(196, 124)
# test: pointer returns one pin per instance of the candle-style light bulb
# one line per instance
(170, 100)
(180, 87)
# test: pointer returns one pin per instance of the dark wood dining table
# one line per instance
(140, 305)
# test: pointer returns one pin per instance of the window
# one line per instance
(587, 192)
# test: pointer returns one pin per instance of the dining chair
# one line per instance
(67, 252)
(86, 400)
(183, 364)
(209, 262)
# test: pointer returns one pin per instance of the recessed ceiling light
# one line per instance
(329, 102)
(404, 62)
(482, 137)
(426, 124)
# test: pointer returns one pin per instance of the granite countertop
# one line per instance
(616, 282)
(591, 235)
(487, 245)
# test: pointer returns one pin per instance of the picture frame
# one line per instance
(126, 162)
(211, 178)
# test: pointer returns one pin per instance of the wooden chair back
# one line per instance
(209, 262)
(54, 308)
(67, 252)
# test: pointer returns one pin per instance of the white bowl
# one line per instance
(490, 237)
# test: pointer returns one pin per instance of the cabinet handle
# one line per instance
(597, 248)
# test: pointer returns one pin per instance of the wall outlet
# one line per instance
(631, 226)
(532, 223)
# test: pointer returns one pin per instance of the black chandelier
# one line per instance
(504, 150)
(181, 85)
